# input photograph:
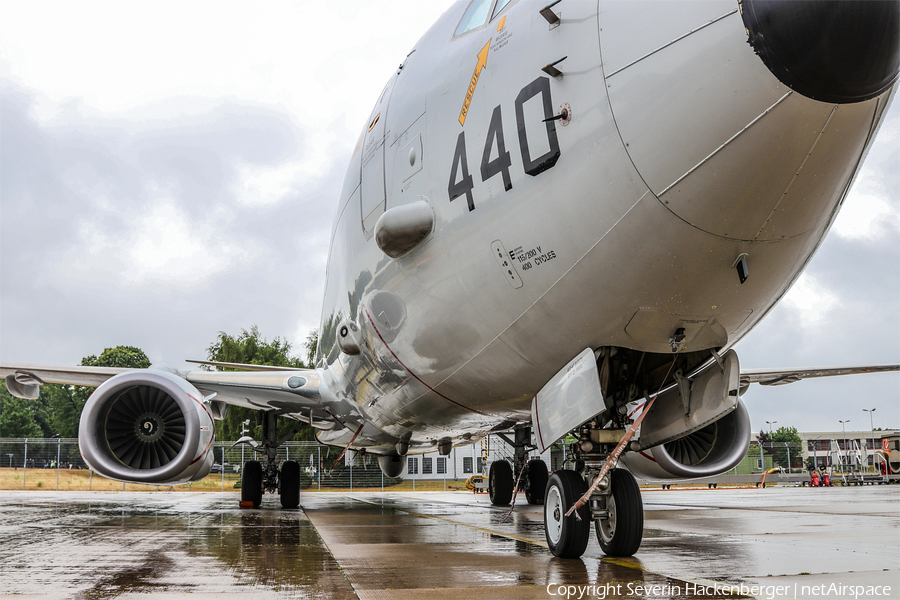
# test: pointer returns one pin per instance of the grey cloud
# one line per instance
(52, 178)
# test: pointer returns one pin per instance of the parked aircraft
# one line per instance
(554, 212)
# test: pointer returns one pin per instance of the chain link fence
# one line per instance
(56, 464)
(785, 455)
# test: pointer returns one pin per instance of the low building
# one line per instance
(827, 448)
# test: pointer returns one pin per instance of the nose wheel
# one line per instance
(567, 537)
(618, 515)
(620, 533)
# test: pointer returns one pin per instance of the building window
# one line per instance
(759, 464)
(426, 466)
(441, 465)
(412, 465)
(467, 464)
(480, 466)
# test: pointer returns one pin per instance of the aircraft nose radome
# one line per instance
(836, 51)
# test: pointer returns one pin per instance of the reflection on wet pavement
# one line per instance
(140, 543)
(435, 545)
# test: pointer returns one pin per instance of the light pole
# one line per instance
(844, 431)
(10, 460)
(769, 423)
(872, 426)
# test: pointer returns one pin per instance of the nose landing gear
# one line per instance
(567, 537)
(615, 507)
(619, 533)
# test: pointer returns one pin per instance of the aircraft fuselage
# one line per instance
(680, 159)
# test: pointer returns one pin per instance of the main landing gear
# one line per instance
(258, 478)
(502, 476)
(615, 507)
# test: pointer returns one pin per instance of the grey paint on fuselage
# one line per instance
(683, 153)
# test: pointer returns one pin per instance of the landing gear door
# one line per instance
(372, 193)
(572, 397)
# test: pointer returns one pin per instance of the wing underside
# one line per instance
(785, 376)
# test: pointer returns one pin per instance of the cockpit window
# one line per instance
(475, 16)
(501, 4)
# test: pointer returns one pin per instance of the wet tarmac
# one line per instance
(777, 542)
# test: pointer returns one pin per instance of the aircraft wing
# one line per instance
(785, 376)
(39, 375)
(273, 387)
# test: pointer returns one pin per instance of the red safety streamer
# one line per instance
(348, 447)
(515, 491)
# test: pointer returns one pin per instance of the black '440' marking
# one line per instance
(461, 182)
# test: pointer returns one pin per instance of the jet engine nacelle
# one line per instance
(712, 450)
(391, 464)
(147, 426)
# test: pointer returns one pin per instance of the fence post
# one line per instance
(223, 467)
(25, 464)
(319, 471)
(351, 475)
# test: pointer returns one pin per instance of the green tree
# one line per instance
(250, 348)
(781, 451)
(127, 357)
(65, 402)
(311, 344)
(17, 417)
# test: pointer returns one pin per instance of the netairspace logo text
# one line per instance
(763, 592)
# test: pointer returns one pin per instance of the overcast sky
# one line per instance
(170, 170)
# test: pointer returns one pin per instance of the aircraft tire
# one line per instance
(290, 484)
(251, 483)
(500, 483)
(567, 537)
(621, 533)
(536, 484)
